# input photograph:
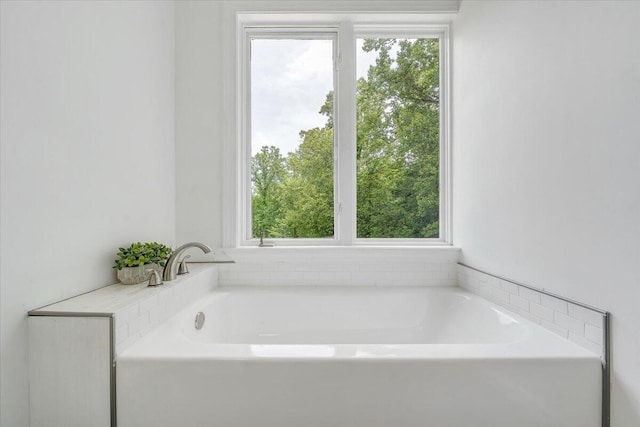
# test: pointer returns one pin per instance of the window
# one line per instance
(291, 134)
(398, 137)
(342, 134)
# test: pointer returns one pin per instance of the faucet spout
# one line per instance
(171, 267)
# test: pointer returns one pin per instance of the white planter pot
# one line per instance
(135, 275)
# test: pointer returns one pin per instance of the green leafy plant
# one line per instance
(139, 254)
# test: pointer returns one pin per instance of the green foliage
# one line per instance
(309, 189)
(397, 155)
(398, 141)
(139, 254)
(268, 174)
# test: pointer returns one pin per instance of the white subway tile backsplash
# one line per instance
(376, 267)
(541, 311)
(585, 343)
(447, 282)
(434, 266)
(256, 266)
(564, 333)
(138, 323)
(417, 267)
(570, 321)
(343, 266)
(500, 296)
(148, 304)
(358, 280)
(122, 333)
(519, 302)
(343, 277)
(593, 334)
(166, 297)
(339, 268)
(283, 266)
(290, 276)
(529, 294)
(588, 316)
(158, 314)
(490, 281)
(120, 320)
(509, 287)
(556, 304)
(302, 266)
(132, 311)
(529, 316)
(135, 320)
(484, 292)
(410, 277)
(317, 278)
(440, 275)
(574, 325)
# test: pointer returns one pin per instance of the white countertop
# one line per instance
(110, 299)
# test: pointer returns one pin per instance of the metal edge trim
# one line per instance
(542, 291)
(112, 373)
(38, 312)
(212, 262)
(606, 370)
(606, 337)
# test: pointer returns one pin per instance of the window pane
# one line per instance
(292, 138)
(398, 138)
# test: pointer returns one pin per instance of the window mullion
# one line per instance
(345, 111)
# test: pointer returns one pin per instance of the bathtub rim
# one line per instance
(168, 342)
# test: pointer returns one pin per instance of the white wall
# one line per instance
(205, 101)
(87, 113)
(199, 122)
(547, 158)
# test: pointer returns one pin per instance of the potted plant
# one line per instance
(134, 261)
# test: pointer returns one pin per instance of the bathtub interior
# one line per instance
(350, 315)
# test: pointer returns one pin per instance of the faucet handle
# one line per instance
(182, 267)
(262, 243)
(154, 279)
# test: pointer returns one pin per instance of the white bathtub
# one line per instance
(365, 356)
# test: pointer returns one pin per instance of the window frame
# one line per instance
(345, 31)
(251, 32)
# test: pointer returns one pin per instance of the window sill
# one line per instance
(292, 252)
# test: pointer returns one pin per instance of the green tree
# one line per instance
(398, 140)
(309, 188)
(267, 175)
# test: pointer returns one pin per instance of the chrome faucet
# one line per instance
(262, 243)
(171, 267)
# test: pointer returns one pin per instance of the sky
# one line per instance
(290, 80)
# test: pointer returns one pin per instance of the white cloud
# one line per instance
(290, 81)
(364, 59)
(313, 65)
